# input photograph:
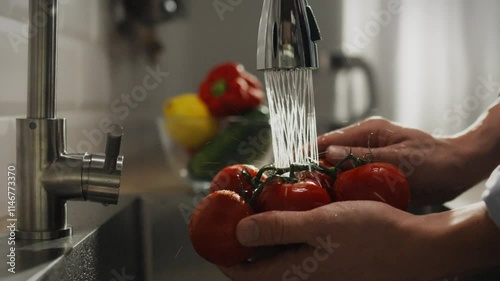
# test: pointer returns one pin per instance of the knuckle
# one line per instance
(376, 120)
(278, 234)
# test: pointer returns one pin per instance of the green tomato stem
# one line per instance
(259, 189)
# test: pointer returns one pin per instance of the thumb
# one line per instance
(335, 154)
(274, 228)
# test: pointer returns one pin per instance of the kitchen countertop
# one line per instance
(155, 177)
(472, 196)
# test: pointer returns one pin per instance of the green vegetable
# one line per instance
(244, 141)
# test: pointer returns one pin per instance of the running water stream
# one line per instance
(293, 116)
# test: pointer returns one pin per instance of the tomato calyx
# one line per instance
(272, 170)
(279, 174)
(259, 190)
(355, 161)
(295, 174)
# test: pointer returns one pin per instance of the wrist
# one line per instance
(459, 242)
(479, 146)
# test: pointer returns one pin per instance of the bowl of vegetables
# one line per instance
(225, 123)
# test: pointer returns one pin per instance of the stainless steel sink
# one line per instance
(173, 257)
(106, 241)
(140, 239)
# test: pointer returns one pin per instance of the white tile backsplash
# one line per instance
(13, 63)
(75, 19)
(83, 84)
(70, 78)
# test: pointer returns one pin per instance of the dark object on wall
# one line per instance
(137, 20)
(150, 12)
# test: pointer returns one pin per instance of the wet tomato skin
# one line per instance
(278, 195)
(381, 182)
(320, 179)
(232, 178)
(212, 228)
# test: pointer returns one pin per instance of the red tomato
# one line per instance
(320, 179)
(232, 178)
(376, 182)
(212, 228)
(278, 195)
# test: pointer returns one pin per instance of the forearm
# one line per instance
(480, 145)
(463, 241)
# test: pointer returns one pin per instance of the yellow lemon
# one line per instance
(189, 121)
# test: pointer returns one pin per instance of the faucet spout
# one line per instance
(42, 61)
(288, 34)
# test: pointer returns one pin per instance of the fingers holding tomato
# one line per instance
(240, 191)
(213, 224)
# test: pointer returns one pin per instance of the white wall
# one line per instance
(448, 63)
(84, 84)
(436, 61)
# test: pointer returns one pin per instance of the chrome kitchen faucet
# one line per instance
(48, 175)
(288, 34)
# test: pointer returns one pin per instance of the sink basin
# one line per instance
(173, 257)
(140, 239)
(105, 242)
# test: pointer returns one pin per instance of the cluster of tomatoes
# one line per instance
(240, 191)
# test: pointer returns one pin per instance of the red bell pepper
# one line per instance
(229, 90)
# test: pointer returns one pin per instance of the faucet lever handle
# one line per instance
(113, 145)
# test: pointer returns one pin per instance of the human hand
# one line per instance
(341, 241)
(436, 168)
(362, 240)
